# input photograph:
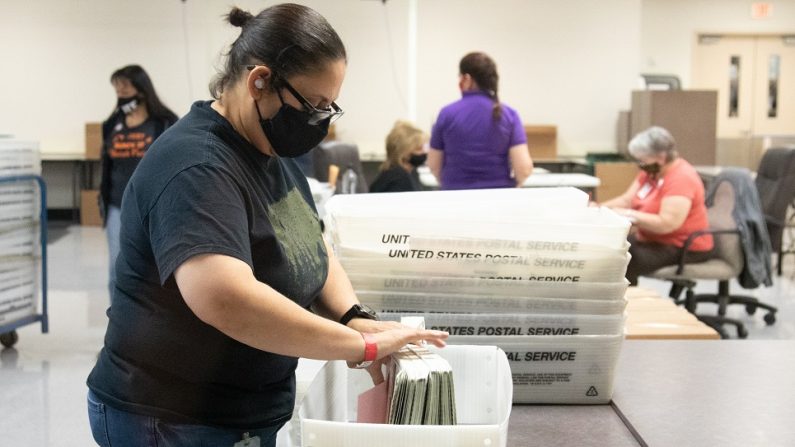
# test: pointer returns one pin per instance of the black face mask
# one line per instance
(290, 133)
(651, 168)
(417, 160)
(127, 105)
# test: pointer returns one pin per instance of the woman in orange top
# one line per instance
(665, 204)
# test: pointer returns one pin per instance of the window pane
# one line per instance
(772, 85)
(734, 85)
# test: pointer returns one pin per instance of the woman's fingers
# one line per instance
(437, 338)
(375, 371)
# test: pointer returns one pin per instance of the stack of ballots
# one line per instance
(19, 230)
(536, 272)
(420, 389)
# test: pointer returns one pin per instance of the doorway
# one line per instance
(755, 79)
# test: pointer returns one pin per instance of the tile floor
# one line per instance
(42, 379)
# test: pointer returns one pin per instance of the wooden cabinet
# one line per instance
(542, 141)
(690, 116)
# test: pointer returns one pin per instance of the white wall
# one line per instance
(670, 26)
(570, 63)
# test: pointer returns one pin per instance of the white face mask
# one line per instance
(127, 105)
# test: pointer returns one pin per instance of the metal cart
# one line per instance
(8, 334)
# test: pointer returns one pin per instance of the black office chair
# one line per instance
(727, 262)
(344, 155)
(775, 181)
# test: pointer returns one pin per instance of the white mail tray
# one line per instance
(483, 393)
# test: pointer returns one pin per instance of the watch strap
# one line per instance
(356, 311)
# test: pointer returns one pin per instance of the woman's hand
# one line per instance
(630, 214)
(392, 340)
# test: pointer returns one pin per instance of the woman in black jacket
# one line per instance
(404, 154)
(138, 119)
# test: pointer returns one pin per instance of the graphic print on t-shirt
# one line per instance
(296, 229)
(130, 144)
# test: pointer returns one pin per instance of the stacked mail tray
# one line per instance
(535, 272)
(21, 234)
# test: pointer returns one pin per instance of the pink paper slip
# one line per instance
(372, 405)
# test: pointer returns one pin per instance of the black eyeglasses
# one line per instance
(331, 113)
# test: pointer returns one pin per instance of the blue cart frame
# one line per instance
(8, 334)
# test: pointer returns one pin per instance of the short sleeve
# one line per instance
(683, 185)
(518, 135)
(437, 140)
(200, 211)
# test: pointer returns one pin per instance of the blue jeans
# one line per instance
(113, 230)
(115, 428)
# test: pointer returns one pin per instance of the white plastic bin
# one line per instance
(517, 324)
(19, 158)
(520, 268)
(18, 287)
(488, 287)
(520, 201)
(483, 393)
(600, 228)
(421, 302)
(576, 369)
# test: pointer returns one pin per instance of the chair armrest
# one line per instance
(689, 241)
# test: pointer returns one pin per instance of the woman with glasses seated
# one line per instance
(224, 278)
(405, 152)
(665, 204)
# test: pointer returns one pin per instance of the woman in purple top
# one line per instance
(478, 142)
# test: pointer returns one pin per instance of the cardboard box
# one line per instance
(93, 141)
(615, 178)
(89, 208)
(542, 141)
(483, 394)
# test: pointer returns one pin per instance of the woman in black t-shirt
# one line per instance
(223, 258)
(138, 119)
(404, 154)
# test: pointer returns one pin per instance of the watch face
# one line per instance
(366, 310)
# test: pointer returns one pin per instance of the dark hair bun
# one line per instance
(238, 17)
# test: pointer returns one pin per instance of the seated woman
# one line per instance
(404, 153)
(665, 204)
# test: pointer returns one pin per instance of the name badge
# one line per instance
(644, 191)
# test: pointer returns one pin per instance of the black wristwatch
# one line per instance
(358, 311)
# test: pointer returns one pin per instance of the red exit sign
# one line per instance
(761, 10)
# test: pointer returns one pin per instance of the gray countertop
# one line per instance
(680, 393)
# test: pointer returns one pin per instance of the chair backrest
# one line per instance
(727, 246)
(775, 182)
(342, 155)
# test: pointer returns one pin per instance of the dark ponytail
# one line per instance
(484, 72)
(290, 39)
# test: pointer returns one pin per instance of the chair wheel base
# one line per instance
(750, 309)
(770, 318)
(9, 339)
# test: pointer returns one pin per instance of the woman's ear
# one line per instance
(465, 82)
(259, 81)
